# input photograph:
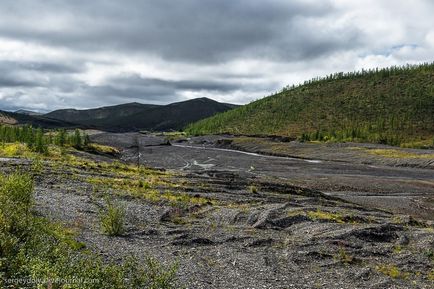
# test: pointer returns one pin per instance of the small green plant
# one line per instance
(397, 249)
(326, 216)
(253, 189)
(113, 219)
(344, 257)
(393, 271)
(144, 185)
(99, 149)
(37, 165)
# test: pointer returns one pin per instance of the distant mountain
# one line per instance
(100, 117)
(13, 118)
(136, 116)
(27, 112)
(393, 105)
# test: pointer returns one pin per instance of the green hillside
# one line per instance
(392, 105)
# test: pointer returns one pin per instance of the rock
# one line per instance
(363, 274)
(403, 240)
(407, 220)
(165, 217)
(260, 243)
(289, 221)
(177, 232)
(193, 242)
(169, 213)
(265, 219)
(383, 233)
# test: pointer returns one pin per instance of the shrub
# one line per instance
(37, 165)
(253, 189)
(113, 219)
(392, 271)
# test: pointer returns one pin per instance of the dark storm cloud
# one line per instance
(134, 87)
(35, 74)
(138, 81)
(189, 30)
(13, 81)
(39, 67)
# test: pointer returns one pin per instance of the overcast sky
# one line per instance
(57, 54)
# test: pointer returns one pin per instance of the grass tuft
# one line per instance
(253, 189)
(323, 215)
(392, 271)
(113, 219)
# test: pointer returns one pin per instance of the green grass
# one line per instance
(101, 149)
(393, 271)
(391, 106)
(32, 248)
(344, 257)
(431, 275)
(253, 189)
(152, 188)
(399, 154)
(326, 216)
(112, 219)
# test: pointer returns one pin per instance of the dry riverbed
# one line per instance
(241, 220)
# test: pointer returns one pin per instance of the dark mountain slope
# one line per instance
(135, 116)
(34, 120)
(174, 116)
(393, 105)
(99, 116)
(27, 112)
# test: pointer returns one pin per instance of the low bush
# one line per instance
(112, 219)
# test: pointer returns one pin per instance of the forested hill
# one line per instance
(393, 105)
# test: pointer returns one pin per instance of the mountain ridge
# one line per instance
(137, 116)
(14, 118)
(28, 112)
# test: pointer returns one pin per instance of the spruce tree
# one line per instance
(40, 146)
(77, 142)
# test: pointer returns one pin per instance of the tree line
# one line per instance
(38, 139)
(373, 73)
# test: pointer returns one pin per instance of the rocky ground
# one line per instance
(241, 220)
(371, 175)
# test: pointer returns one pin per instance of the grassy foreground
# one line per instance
(37, 253)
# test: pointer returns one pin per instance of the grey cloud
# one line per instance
(189, 30)
(128, 88)
(126, 94)
(50, 67)
(34, 74)
(13, 81)
(133, 87)
(136, 80)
